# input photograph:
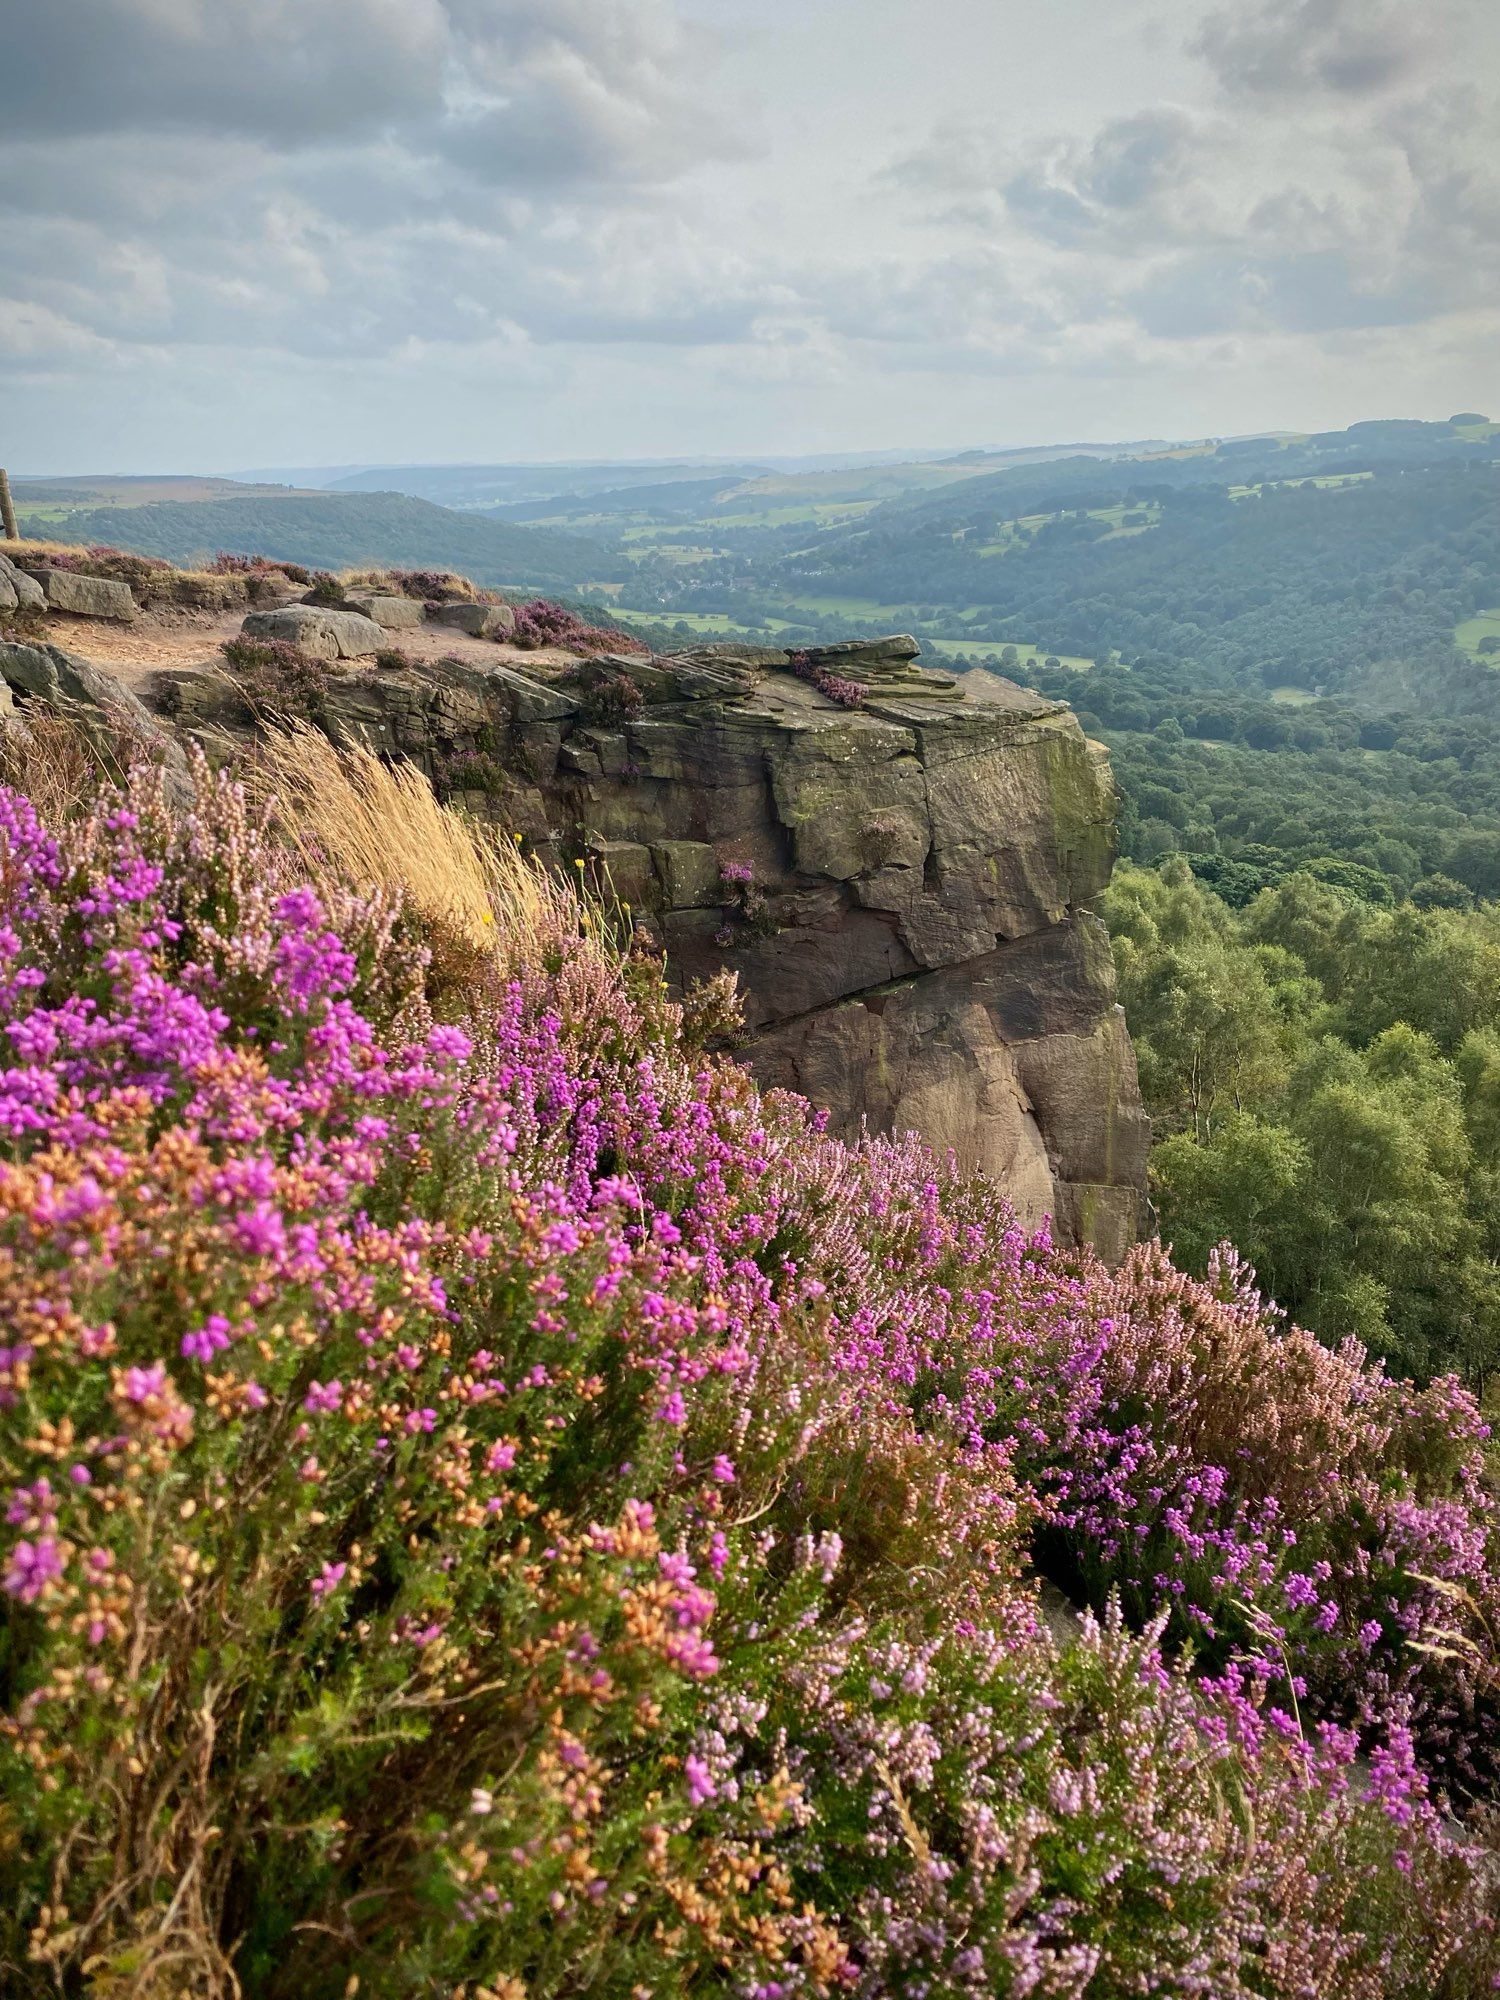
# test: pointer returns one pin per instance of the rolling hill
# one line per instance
(338, 530)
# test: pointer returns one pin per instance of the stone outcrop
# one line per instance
(105, 710)
(480, 621)
(322, 632)
(902, 886)
(86, 596)
(898, 865)
(391, 614)
(18, 590)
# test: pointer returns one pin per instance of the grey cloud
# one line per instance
(1352, 48)
(1129, 165)
(333, 176)
(1314, 292)
(289, 71)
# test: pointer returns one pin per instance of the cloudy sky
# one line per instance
(241, 233)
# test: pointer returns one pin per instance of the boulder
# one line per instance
(320, 631)
(921, 954)
(17, 589)
(480, 621)
(86, 596)
(391, 614)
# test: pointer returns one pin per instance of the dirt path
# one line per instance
(193, 639)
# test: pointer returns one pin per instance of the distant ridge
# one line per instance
(337, 531)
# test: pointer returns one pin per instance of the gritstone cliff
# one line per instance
(897, 864)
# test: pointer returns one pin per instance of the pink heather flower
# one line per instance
(501, 1457)
(332, 1576)
(33, 1565)
(451, 1044)
(209, 1339)
(418, 1420)
(723, 1470)
(700, 1783)
(323, 1398)
(141, 1384)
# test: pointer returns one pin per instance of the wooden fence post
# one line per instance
(7, 510)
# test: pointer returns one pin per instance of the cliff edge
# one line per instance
(898, 865)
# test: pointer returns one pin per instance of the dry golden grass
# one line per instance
(30, 548)
(347, 816)
(55, 763)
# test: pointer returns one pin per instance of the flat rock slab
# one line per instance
(86, 596)
(318, 630)
(391, 614)
(480, 621)
(891, 651)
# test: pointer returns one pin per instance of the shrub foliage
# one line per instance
(495, 1507)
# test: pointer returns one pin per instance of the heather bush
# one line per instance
(225, 563)
(275, 679)
(543, 623)
(833, 687)
(326, 588)
(612, 700)
(438, 586)
(494, 1505)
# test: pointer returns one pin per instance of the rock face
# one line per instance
(897, 866)
(901, 886)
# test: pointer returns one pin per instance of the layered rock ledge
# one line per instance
(897, 864)
(902, 886)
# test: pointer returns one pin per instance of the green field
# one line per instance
(1324, 479)
(1484, 625)
(979, 649)
(719, 623)
(1292, 697)
(1019, 533)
